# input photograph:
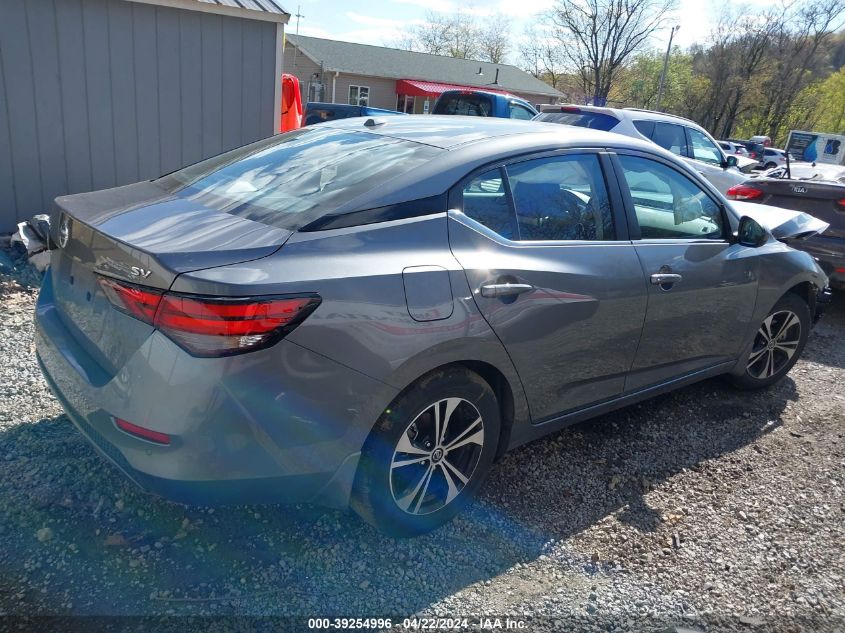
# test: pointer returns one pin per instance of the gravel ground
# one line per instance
(703, 510)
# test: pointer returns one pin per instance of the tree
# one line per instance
(596, 37)
(459, 35)
(540, 55)
(494, 39)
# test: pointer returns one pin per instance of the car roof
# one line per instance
(453, 131)
(629, 113)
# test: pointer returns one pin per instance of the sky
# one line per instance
(381, 22)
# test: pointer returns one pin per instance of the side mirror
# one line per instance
(730, 161)
(750, 233)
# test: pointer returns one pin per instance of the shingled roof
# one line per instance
(393, 63)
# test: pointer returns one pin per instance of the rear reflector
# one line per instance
(140, 431)
(212, 326)
(744, 192)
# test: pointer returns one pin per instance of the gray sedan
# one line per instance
(368, 313)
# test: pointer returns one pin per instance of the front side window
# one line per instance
(561, 198)
(670, 136)
(291, 179)
(520, 112)
(668, 204)
(359, 95)
(703, 149)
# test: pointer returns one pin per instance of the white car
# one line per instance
(680, 136)
(773, 157)
(733, 148)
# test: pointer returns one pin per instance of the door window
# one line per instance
(670, 136)
(520, 112)
(561, 198)
(668, 204)
(703, 149)
(485, 200)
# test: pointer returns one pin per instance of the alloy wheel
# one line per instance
(436, 456)
(774, 345)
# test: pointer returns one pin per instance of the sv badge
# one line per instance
(136, 271)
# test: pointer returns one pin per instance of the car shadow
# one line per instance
(826, 338)
(73, 526)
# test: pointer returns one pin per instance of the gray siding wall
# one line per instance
(382, 91)
(99, 93)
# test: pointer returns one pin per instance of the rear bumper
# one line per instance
(277, 425)
(829, 252)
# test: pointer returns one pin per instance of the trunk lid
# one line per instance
(818, 198)
(141, 234)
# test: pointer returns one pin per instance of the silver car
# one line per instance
(368, 313)
(676, 134)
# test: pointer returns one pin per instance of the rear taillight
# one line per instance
(841, 203)
(212, 326)
(570, 109)
(135, 301)
(744, 192)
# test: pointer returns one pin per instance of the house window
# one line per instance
(359, 95)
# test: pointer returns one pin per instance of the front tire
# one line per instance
(428, 454)
(777, 344)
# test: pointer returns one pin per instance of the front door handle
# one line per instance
(492, 291)
(665, 279)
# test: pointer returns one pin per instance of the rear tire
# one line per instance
(778, 344)
(428, 453)
(770, 165)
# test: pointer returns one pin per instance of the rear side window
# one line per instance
(555, 198)
(646, 128)
(592, 120)
(486, 202)
(670, 136)
(561, 198)
(468, 104)
(291, 179)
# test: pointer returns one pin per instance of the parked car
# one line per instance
(680, 136)
(755, 150)
(369, 315)
(733, 148)
(774, 157)
(818, 190)
(316, 112)
(765, 141)
(483, 103)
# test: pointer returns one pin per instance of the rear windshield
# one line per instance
(592, 120)
(466, 104)
(292, 179)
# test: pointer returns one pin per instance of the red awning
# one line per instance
(417, 88)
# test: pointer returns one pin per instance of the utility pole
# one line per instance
(665, 66)
(298, 16)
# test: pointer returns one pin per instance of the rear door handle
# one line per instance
(665, 279)
(504, 290)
